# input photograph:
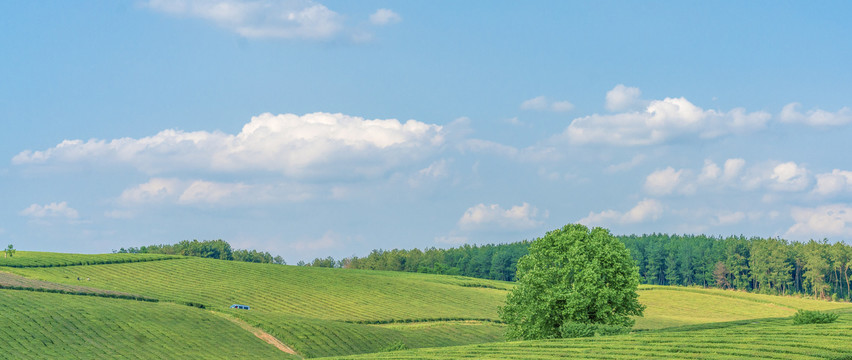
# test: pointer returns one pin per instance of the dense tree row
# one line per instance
(496, 262)
(766, 265)
(214, 249)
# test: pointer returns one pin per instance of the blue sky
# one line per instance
(310, 129)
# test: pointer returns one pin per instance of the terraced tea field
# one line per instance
(677, 306)
(340, 312)
(316, 311)
(38, 325)
(756, 339)
(49, 259)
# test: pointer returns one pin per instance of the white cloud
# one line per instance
(709, 172)
(627, 165)
(789, 177)
(730, 218)
(663, 182)
(202, 192)
(435, 171)
(293, 19)
(384, 17)
(481, 216)
(733, 167)
(822, 221)
(543, 103)
(318, 144)
(645, 210)
(833, 183)
(60, 209)
(622, 98)
(451, 240)
(327, 241)
(661, 121)
(155, 190)
(815, 117)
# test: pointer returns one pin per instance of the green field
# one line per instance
(57, 326)
(760, 339)
(48, 259)
(339, 312)
(316, 311)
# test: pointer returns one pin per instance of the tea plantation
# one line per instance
(340, 312)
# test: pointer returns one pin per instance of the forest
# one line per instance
(765, 265)
(215, 249)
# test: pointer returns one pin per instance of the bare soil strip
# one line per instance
(263, 335)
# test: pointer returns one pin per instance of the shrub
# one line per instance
(575, 330)
(813, 317)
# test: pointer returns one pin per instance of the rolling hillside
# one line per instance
(759, 339)
(339, 312)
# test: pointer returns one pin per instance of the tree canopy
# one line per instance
(572, 276)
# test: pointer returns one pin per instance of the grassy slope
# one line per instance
(48, 259)
(57, 326)
(311, 309)
(765, 339)
(677, 306)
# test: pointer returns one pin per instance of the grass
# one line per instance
(338, 312)
(677, 306)
(23, 259)
(765, 339)
(313, 310)
(56, 326)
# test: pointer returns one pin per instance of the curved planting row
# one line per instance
(28, 259)
(765, 339)
(39, 325)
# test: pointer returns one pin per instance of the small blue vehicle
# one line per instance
(238, 306)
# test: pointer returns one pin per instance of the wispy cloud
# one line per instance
(481, 216)
(291, 19)
(384, 17)
(60, 209)
(543, 103)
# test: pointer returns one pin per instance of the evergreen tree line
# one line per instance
(766, 265)
(497, 262)
(214, 249)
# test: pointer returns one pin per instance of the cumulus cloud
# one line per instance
(832, 183)
(60, 209)
(202, 192)
(663, 182)
(384, 17)
(661, 121)
(622, 98)
(292, 19)
(822, 221)
(311, 144)
(788, 176)
(773, 176)
(815, 117)
(481, 216)
(645, 210)
(543, 103)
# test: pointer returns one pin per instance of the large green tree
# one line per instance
(572, 276)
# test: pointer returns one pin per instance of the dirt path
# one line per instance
(263, 335)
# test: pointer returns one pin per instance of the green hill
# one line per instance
(316, 311)
(58, 326)
(758, 339)
(339, 312)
